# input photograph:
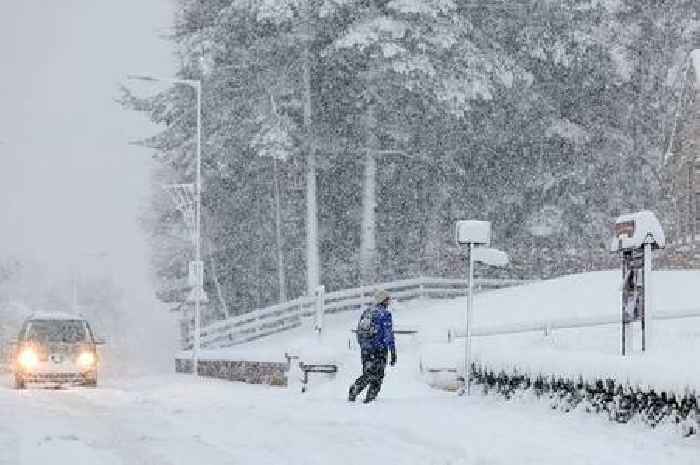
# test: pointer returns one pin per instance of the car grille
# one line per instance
(54, 378)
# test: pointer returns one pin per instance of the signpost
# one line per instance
(320, 294)
(475, 233)
(636, 235)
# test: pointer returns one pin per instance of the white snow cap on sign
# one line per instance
(645, 224)
(473, 231)
(493, 257)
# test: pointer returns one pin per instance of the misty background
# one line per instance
(72, 188)
(547, 118)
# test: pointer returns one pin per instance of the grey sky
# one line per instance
(69, 182)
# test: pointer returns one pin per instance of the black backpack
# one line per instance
(368, 327)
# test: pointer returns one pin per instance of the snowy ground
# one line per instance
(176, 419)
(169, 419)
(593, 352)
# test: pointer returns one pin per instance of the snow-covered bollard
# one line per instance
(441, 367)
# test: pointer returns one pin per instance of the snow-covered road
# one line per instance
(175, 419)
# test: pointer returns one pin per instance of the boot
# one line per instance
(352, 395)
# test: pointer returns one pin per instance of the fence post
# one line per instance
(421, 288)
(320, 294)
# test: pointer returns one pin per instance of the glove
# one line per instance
(393, 358)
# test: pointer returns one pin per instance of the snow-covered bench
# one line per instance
(319, 364)
(313, 368)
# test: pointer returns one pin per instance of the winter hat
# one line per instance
(380, 295)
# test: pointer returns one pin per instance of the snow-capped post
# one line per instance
(320, 294)
(636, 235)
(474, 233)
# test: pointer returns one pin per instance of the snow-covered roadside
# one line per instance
(590, 352)
(171, 420)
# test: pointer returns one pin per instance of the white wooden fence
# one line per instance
(265, 321)
(547, 326)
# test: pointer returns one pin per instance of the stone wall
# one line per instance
(272, 373)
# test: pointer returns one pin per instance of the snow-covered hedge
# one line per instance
(621, 402)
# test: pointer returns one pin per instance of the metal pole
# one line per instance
(622, 307)
(197, 85)
(320, 300)
(198, 202)
(470, 308)
(648, 296)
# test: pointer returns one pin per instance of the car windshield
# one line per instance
(66, 331)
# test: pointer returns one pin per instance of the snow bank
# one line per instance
(590, 352)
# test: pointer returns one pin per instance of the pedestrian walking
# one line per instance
(375, 336)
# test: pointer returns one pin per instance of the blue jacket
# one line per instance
(384, 338)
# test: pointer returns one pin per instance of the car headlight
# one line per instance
(28, 359)
(86, 360)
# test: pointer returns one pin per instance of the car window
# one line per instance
(65, 331)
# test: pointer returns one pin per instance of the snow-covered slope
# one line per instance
(592, 352)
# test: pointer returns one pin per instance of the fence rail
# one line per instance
(547, 326)
(280, 317)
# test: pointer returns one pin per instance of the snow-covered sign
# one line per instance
(492, 257)
(195, 276)
(633, 230)
(473, 232)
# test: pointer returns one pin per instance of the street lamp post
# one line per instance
(198, 290)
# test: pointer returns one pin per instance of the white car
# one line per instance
(56, 349)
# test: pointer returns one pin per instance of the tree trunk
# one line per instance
(215, 276)
(312, 260)
(368, 247)
(209, 250)
(278, 236)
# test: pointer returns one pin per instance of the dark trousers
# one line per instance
(373, 365)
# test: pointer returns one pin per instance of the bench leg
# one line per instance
(306, 381)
